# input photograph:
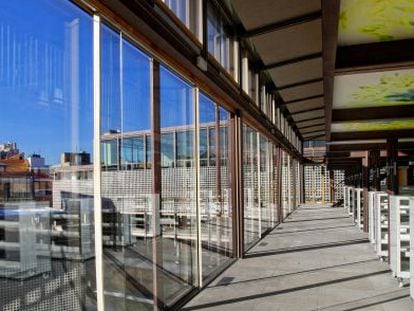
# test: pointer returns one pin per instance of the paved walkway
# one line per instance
(316, 260)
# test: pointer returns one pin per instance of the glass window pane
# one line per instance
(212, 145)
(109, 149)
(252, 224)
(203, 146)
(185, 150)
(148, 151)
(167, 154)
(47, 258)
(219, 44)
(186, 11)
(216, 222)
(177, 224)
(126, 188)
(132, 152)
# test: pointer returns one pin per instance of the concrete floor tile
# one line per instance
(305, 264)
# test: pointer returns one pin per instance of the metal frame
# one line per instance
(235, 156)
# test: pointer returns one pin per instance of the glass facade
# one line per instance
(220, 43)
(252, 219)
(157, 171)
(185, 11)
(46, 195)
(215, 188)
(260, 182)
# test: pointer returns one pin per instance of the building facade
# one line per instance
(149, 174)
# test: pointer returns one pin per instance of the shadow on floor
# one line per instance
(284, 291)
(318, 219)
(306, 248)
(309, 230)
(361, 304)
(230, 283)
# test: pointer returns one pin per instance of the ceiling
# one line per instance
(287, 35)
(344, 69)
(373, 93)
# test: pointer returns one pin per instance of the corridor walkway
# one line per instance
(316, 260)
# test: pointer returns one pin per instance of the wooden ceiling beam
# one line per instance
(283, 24)
(371, 135)
(307, 120)
(369, 146)
(330, 17)
(293, 60)
(309, 126)
(303, 99)
(373, 113)
(306, 111)
(288, 86)
(313, 138)
(374, 56)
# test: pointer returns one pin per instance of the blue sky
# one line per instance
(35, 77)
(46, 81)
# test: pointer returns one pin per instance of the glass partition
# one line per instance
(265, 190)
(215, 204)
(166, 194)
(125, 181)
(178, 215)
(47, 256)
(252, 220)
(220, 44)
(186, 12)
(285, 184)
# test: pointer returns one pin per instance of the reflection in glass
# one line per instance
(186, 11)
(178, 225)
(252, 225)
(216, 212)
(46, 190)
(286, 184)
(125, 186)
(168, 152)
(265, 191)
(220, 44)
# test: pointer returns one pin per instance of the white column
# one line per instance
(97, 161)
(245, 74)
(256, 88)
(236, 59)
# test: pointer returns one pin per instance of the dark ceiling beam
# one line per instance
(313, 137)
(373, 113)
(352, 161)
(369, 146)
(306, 111)
(372, 135)
(355, 147)
(342, 165)
(330, 17)
(311, 119)
(163, 39)
(374, 56)
(303, 99)
(342, 154)
(314, 133)
(282, 24)
(301, 115)
(312, 129)
(293, 60)
(283, 87)
(309, 126)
